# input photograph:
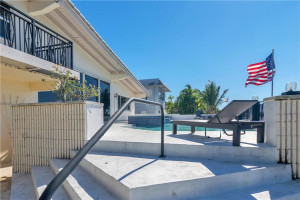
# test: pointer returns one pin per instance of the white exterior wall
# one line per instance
(154, 96)
(116, 88)
(282, 128)
(12, 92)
(83, 62)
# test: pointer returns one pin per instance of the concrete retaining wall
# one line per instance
(50, 130)
(182, 117)
(282, 118)
(147, 120)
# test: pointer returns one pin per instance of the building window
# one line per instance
(94, 82)
(4, 21)
(49, 96)
(105, 97)
(46, 96)
(161, 96)
(121, 101)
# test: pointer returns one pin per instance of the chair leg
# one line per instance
(236, 140)
(174, 129)
(193, 129)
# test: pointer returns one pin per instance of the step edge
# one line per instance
(203, 180)
(74, 194)
(113, 186)
(285, 169)
(125, 147)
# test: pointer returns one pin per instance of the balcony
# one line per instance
(21, 32)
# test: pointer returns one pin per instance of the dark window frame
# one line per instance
(106, 107)
(96, 80)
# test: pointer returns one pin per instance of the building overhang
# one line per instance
(42, 8)
(165, 88)
(10, 57)
(155, 82)
(75, 27)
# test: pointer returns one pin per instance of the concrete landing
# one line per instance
(22, 187)
(280, 191)
(122, 138)
(128, 133)
(130, 176)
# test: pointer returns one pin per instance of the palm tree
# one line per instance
(211, 97)
(170, 108)
(186, 101)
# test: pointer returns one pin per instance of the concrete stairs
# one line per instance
(103, 175)
(41, 176)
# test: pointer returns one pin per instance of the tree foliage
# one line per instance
(186, 101)
(68, 88)
(170, 106)
(211, 97)
(190, 100)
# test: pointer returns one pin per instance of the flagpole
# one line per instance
(272, 71)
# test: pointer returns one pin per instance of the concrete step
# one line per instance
(280, 191)
(210, 150)
(136, 176)
(41, 177)
(22, 187)
(80, 185)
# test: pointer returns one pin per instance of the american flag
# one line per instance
(262, 72)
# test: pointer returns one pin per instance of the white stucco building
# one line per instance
(157, 90)
(35, 36)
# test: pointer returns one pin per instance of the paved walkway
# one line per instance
(5, 181)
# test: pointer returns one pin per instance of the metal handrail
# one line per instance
(67, 170)
(20, 13)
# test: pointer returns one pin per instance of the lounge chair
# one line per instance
(225, 119)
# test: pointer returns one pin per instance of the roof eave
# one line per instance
(118, 60)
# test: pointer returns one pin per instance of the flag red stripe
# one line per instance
(259, 71)
(257, 68)
(257, 63)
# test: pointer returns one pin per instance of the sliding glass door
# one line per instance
(105, 98)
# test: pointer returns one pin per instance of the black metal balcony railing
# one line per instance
(22, 32)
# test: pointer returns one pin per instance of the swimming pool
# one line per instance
(168, 127)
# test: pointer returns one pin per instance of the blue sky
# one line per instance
(193, 42)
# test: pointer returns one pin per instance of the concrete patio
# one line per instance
(124, 138)
(125, 164)
(129, 133)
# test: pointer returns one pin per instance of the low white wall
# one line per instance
(182, 117)
(41, 131)
(124, 116)
(282, 128)
(94, 118)
(269, 113)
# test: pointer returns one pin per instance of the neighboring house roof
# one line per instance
(153, 82)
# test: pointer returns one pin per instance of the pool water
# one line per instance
(168, 127)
